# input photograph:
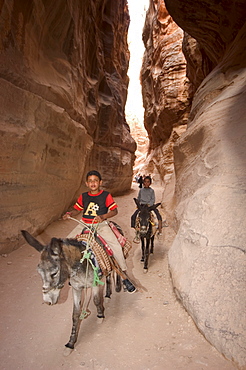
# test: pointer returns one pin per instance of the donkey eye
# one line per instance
(53, 275)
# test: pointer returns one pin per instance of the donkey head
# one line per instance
(52, 267)
(144, 216)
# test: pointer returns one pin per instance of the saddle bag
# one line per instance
(124, 242)
(102, 250)
(100, 253)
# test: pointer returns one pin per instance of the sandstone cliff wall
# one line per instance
(207, 258)
(63, 87)
(165, 87)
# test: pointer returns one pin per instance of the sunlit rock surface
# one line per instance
(207, 259)
(140, 135)
(63, 87)
(166, 89)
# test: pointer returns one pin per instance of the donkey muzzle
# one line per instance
(51, 296)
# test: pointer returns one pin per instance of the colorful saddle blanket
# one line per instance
(101, 249)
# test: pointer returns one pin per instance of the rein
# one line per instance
(86, 255)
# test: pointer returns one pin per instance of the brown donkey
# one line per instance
(146, 230)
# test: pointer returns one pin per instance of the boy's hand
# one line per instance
(66, 216)
(99, 219)
(106, 216)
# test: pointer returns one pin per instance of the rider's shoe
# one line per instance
(129, 286)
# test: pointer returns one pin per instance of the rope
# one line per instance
(80, 222)
(96, 279)
(87, 256)
(100, 254)
(105, 262)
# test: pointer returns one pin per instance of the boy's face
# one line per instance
(146, 183)
(93, 183)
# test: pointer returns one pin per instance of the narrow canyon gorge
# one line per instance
(63, 84)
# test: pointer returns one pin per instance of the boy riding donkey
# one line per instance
(97, 206)
(146, 195)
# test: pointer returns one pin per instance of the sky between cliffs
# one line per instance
(134, 104)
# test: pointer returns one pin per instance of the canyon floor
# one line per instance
(145, 330)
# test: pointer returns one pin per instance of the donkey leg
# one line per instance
(143, 249)
(146, 257)
(108, 287)
(152, 244)
(98, 301)
(118, 284)
(76, 320)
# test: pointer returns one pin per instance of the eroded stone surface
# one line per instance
(207, 258)
(166, 89)
(63, 70)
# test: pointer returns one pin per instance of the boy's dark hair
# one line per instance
(148, 178)
(94, 173)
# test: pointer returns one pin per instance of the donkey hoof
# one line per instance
(67, 351)
(142, 260)
(100, 320)
(145, 270)
(107, 300)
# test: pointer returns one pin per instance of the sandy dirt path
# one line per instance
(145, 330)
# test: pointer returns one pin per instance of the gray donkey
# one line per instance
(62, 259)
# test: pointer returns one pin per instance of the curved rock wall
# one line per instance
(207, 258)
(165, 87)
(63, 87)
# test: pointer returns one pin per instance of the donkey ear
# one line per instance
(32, 241)
(151, 208)
(55, 246)
(137, 203)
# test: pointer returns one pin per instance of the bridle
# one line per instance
(144, 229)
(59, 285)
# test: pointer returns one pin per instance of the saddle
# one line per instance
(102, 251)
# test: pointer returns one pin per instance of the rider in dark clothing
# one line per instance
(146, 195)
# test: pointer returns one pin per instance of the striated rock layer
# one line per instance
(63, 87)
(207, 258)
(165, 87)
